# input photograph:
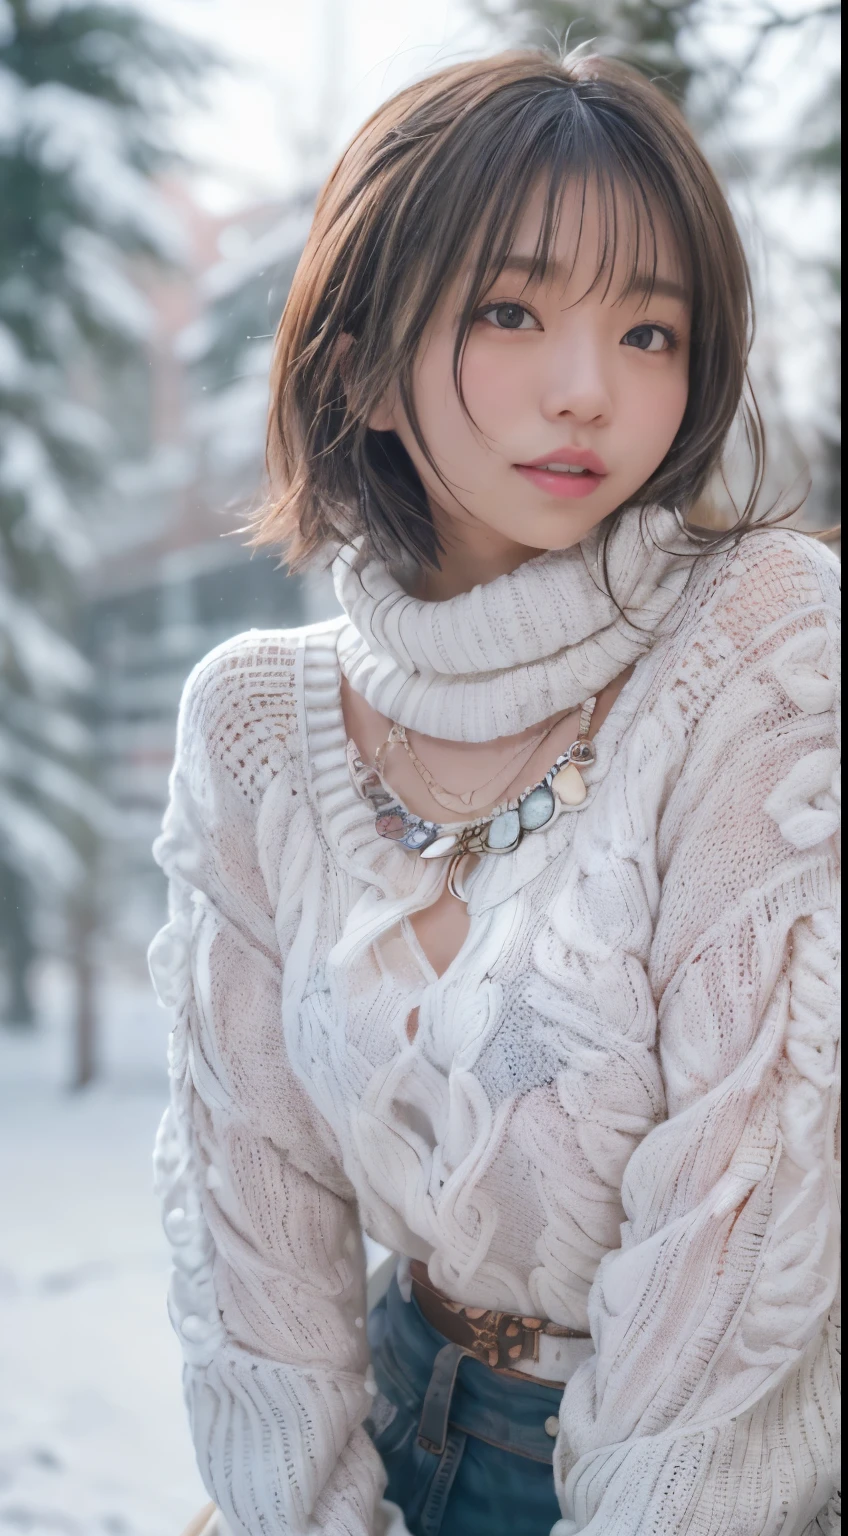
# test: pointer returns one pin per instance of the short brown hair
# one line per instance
(442, 171)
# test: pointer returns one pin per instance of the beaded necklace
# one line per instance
(502, 828)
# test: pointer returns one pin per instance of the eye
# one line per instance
(509, 317)
(650, 338)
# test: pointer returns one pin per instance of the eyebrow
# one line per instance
(660, 287)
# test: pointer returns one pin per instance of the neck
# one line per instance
(472, 555)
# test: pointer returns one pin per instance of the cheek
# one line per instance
(439, 409)
(496, 387)
(656, 412)
(490, 391)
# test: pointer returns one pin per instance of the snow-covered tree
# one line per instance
(86, 96)
(644, 32)
(229, 347)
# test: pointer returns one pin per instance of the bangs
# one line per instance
(632, 194)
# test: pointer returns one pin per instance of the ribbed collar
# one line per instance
(505, 655)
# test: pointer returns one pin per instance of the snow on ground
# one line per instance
(93, 1435)
(94, 1439)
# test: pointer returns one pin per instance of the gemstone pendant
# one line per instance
(503, 833)
(437, 850)
(391, 824)
(568, 786)
(536, 809)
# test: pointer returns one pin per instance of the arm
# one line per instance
(268, 1289)
(710, 1405)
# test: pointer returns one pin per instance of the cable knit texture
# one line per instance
(508, 654)
(619, 1110)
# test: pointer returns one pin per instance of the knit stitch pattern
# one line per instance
(619, 1110)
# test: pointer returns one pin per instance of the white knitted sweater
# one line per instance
(619, 1110)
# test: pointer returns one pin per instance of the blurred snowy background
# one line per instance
(158, 164)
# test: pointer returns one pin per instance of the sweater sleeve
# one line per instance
(268, 1286)
(710, 1405)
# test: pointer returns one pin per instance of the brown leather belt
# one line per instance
(499, 1339)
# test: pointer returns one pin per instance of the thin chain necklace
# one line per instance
(455, 800)
(502, 828)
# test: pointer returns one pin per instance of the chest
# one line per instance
(479, 775)
(568, 949)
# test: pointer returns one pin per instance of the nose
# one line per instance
(577, 382)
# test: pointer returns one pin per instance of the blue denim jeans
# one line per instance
(486, 1462)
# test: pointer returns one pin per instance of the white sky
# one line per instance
(307, 72)
(312, 70)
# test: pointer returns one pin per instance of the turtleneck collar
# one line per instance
(510, 653)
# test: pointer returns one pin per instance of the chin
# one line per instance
(557, 531)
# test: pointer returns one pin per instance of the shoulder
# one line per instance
(770, 576)
(744, 601)
(239, 710)
(746, 612)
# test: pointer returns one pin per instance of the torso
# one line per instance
(467, 1058)
(485, 1117)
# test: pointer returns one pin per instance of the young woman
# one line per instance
(502, 905)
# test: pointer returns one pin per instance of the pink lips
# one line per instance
(558, 483)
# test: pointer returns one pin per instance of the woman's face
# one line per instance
(575, 396)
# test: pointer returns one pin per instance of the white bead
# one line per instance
(440, 847)
(552, 1426)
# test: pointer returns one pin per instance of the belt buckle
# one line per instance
(485, 1343)
(500, 1340)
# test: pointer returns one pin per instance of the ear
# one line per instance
(382, 418)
